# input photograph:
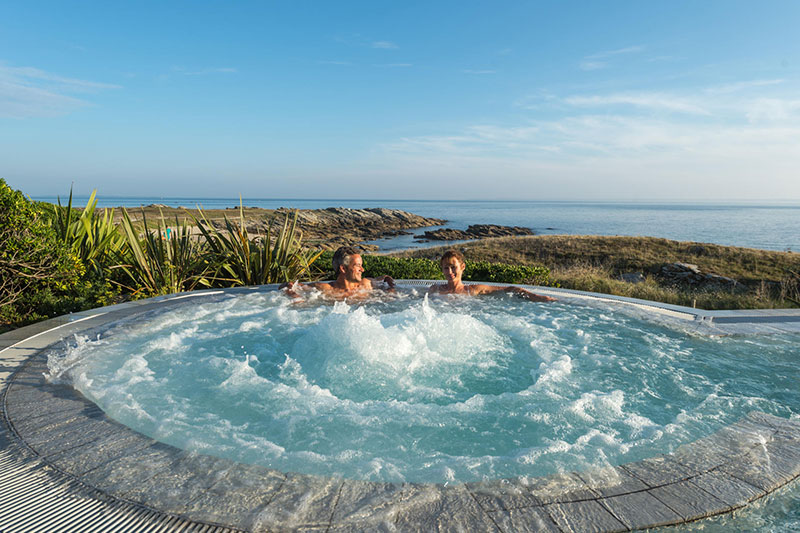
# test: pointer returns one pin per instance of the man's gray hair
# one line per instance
(342, 257)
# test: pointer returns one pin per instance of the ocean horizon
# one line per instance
(767, 225)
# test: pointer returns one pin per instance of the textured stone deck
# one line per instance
(62, 458)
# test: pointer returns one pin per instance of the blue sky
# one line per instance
(464, 100)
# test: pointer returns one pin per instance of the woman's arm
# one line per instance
(518, 291)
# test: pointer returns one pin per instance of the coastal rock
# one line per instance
(336, 226)
(476, 231)
(687, 274)
(632, 277)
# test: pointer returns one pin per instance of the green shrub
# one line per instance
(417, 268)
(35, 268)
(154, 264)
(92, 237)
(401, 268)
(503, 273)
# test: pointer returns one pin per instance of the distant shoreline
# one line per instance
(223, 203)
(752, 225)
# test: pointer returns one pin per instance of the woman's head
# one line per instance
(452, 264)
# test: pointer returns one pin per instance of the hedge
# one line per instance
(412, 268)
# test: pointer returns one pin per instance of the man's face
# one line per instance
(354, 268)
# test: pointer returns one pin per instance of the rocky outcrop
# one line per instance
(337, 226)
(476, 231)
(687, 274)
(633, 277)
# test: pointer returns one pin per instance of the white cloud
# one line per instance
(657, 101)
(385, 45)
(592, 65)
(773, 110)
(622, 51)
(742, 85)
(599, 60)
(716, 147)
(31, 92)
(205, 71)
(486, 71)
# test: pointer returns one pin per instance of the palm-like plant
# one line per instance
(93, 238)
(240, 260)
(161, 262)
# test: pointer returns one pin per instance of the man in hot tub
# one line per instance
(349, 283)
(453, 265)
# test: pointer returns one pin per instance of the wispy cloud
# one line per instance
(205, 71)
(340, 63)
(385, 45)
(601, 60)
(621, 51)
(592, 65)
(485, 71)
(32, 92)
(708, 145)
(742, 85)
(31, 74)
(773, 110)
(395, 65)
(654, 101)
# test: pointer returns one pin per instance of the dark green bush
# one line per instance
(413, 268)
(503, 273)
(35, 268)
(401, 267)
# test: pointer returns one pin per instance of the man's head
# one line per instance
(347, 261)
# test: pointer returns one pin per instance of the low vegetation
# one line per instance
(55, 259)
(763, 279)
(36, 268)
(422, 268)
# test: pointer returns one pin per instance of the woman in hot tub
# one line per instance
(453, 265)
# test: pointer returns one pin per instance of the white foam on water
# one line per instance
(595, 404)
(416, 352)
(134, 370)
(62, 365)
(553, 371)
(242, 375)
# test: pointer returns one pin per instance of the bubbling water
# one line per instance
(411, 389)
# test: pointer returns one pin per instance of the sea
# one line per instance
(763, 225)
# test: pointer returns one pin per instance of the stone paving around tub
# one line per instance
(53, 429)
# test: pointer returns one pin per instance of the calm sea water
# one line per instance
(765, 226)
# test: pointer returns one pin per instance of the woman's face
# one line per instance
(452, 269)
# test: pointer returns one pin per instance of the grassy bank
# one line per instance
(764, 279)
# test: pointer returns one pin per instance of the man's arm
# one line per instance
(376, 283)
